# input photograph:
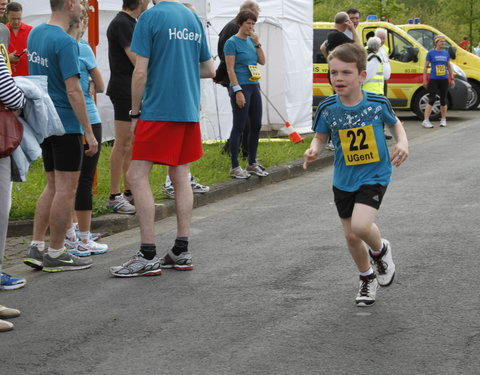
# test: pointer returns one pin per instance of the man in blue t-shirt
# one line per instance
(54, 53)
(172, 56)
(354, 119)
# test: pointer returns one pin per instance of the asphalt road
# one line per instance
(273, 289)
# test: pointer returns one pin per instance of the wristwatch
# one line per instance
(134, 116)
(258, 45)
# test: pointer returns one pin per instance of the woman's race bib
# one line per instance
(254, 73)
(440, 70)
(359, 145)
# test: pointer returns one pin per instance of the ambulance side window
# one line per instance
(402, 49)
(424, 37)
(319, 36)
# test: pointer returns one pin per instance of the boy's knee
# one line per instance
(352, 238)
(361, 230)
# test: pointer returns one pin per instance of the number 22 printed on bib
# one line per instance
(359, 145)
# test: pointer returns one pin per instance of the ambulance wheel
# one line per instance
(475, 100)
(420, 101)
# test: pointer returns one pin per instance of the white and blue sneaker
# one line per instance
(85, 249)
(8, 282)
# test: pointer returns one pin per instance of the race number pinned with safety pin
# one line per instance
(359, 145)
(254, 73)
(440, 70)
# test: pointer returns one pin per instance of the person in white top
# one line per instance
(383, 52)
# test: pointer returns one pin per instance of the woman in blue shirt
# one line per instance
(243, 52)
(440, 76)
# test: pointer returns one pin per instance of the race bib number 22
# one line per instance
(359, 145)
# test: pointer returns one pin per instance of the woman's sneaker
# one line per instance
(64, 262)
(138, 265)
(120, 205)
(257, 169)
(8, 282)
(383, 264)
(240, 173)
(84, 249)
(367, 290)
(180, 262)
(427, 124)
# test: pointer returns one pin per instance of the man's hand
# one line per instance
(309, 156)
(92, 144)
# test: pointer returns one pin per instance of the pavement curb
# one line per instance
(113, 223)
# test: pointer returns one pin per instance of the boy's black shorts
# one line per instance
(370, 195)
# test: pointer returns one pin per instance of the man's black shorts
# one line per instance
(370, 195)
(63, 153)
(121, 108)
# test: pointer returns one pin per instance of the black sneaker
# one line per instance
(367, 290)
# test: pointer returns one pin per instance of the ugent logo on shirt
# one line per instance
(35, 58)
(184, 34)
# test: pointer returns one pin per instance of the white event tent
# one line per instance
(285, 29)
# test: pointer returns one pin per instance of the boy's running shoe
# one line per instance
(181, 262)
(8, 282)
(169, 191)
(65, 262)
(120, 205)
(367, 290)
(383, 264)
(198, 188)
(34, 257)
(138, 265)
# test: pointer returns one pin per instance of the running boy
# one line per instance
(362, 169)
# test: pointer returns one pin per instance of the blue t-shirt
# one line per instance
(54, 53)
(245, 55)
(357, 130)
(87, 63)
(439, 62)
(172, 37)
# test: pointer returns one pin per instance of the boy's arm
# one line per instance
(400, 151)
(316, 148)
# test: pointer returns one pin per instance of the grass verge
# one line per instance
(211, 169)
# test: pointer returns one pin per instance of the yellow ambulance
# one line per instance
(467, 61)
(407, 60)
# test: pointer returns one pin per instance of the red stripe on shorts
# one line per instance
(167, 142)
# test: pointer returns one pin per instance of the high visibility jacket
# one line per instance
(376, 83)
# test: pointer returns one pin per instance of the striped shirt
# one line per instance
(10, 95)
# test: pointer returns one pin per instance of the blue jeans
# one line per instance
(253, 111)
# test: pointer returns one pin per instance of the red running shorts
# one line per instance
(167, 142)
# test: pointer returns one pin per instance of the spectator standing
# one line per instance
(243, 52)
(440, 78)
(354, 16)
(19, 31)
(344, 32)
(166, 126)
(122, 63)
(92, 82)
(384, 53)
(465, 43)
(374, 81)
(56, 55)
(12, 98)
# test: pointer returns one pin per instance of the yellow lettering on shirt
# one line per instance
(254, 73)
(359, 145)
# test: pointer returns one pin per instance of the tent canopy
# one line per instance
(285, 30)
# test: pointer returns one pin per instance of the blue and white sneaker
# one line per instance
(84, 249)
(8, 282)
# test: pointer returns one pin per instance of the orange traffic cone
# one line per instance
(292, 134)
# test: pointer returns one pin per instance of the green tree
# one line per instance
(466, 15)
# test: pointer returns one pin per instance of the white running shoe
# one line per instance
(120, 205)
(383, 264)
(443, 122)
(89, 248)
(367, 290)
(427, 124)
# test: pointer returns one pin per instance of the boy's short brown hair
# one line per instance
(350, 53)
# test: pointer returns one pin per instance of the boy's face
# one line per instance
(346, 79)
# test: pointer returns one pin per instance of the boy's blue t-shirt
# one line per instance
(54, 53)
(245, 55)
(439, 63)
(358, 132)
(87, 63)
(172, 37)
